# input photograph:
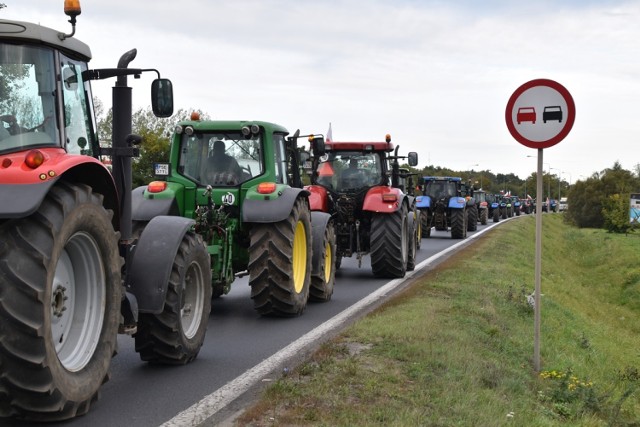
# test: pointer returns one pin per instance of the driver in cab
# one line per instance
(222, 169)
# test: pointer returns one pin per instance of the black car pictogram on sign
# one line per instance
(553, 112)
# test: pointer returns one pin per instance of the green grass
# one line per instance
(456, 348)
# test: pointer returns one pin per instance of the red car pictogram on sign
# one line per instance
(526, 114)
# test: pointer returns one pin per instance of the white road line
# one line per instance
(211, 404)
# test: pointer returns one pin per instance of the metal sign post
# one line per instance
(538, 267)
(539, 114)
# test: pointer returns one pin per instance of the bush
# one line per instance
(615, 212)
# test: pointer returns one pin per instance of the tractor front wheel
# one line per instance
(175, 336)
(322, 283)
(280, 263)
(412, 243)
(60, 295)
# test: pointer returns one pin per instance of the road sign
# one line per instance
(540, 113)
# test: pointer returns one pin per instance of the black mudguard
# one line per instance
(143, 209)
(148, 274)
(319, 223)
(21, 200)
(275, 210)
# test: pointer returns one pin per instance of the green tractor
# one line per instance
(240, 181)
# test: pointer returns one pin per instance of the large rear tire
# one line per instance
(496, 215)
(60, 292)
(472, 218)
(280, 263)
(175, 336)
(322, 284)
(389, 244)
(484, 216)
(458, 223)
(425, 224)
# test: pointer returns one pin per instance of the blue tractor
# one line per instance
(443, 206)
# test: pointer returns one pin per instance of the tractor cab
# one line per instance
(37, 78)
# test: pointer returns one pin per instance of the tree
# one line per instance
(155, 133)
(616, 214)
(589, 199)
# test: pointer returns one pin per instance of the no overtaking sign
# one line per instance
(540, 113)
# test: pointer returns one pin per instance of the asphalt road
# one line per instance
(237, 340)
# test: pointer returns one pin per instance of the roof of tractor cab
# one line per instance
(442, 178)
(33, 33)
(359, 146)
(231, 125)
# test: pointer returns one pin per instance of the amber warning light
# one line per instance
(34, 158)
(266, 187)
(72, 7)
(157, 186)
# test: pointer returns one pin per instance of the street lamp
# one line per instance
(559, 179)
(555, 169)
(471, 169)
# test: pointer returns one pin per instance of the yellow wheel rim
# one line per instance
(327, 262)
(299, 257)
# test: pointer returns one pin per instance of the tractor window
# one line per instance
(441, 189)
(220, 158)
(78, 119)
(27, 98)
(281, 159)
(350, 170)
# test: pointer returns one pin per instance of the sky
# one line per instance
(435, 74)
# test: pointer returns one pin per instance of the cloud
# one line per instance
(436, 75)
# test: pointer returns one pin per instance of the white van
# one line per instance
(563, 204)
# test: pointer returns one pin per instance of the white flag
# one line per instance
(329, 137)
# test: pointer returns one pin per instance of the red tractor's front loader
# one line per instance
(71, 275)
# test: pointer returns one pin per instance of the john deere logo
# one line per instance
(228, 199)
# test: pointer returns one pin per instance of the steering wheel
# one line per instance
(13, 128)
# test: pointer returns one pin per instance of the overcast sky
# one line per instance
(436, 75)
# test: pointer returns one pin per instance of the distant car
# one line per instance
(553, 112)
(526, 114)
(562, 206)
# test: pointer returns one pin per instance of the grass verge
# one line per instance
(456, 348)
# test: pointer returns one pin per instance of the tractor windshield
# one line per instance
(440, 189)
(346, 170)
(28, 103)
(220, 158)
(479, 196)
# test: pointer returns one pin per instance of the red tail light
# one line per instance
(389, 197)
(266, 187)
(157, 186)
(34, 159)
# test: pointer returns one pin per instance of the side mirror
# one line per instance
(317, 146)
(162, 97)
(413, 158)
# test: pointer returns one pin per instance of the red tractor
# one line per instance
(72, 276)
(358, 184)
